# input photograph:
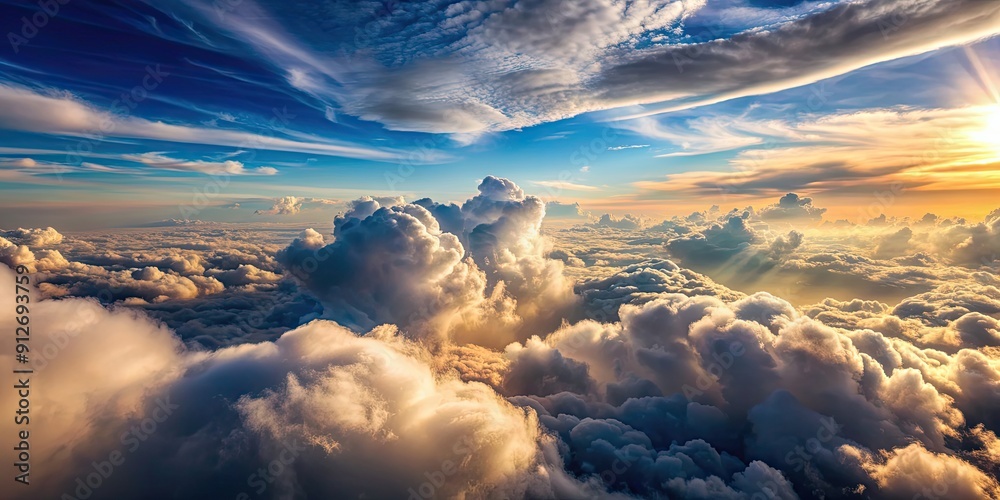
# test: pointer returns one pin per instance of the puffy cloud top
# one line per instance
(433, 268)
(791, 206)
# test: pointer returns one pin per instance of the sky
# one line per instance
(121, 114)
(500, 249)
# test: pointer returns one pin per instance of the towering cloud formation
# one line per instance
(472, 271)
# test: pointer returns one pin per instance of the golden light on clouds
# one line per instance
(924, 149)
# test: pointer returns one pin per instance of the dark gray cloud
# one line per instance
(792, 207)
(825, 43)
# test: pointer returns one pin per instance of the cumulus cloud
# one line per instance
(894, 244)
(434, 268)
(792, 207)
(35, 237)
(912, 471)
(291, 205)
(15, 255)
(971, 244)
(214, 284)
(783, 245)
(718, 242)
(752, 358)
(570, 211)
(286, 205)
(627, 221)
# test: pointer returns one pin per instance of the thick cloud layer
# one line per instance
(320, 398)
(212, 283)
(754, 379)
(461, 351)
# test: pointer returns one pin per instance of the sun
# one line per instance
(992, 128)
(987, 132)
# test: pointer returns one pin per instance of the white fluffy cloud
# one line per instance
(35, 237)
(437, 269)
(797, 381)
(291, 205)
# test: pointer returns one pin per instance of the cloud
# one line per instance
(792, 207)
(702, 135)
(627, 221)
(717, 242)
(175, 223)
(970, 244)
(35, 237)
(756, 357)
(565, 185)
(474, 439)
(679, 77)
(227, 167)
(908, 472)
(291, 205)
(14, 255)
(643, 282)
(394, 266)
(245, 274)
(21, 163)
(214, 284)
(895, 244)
(63, 114)
(479, 67)
(783, 245)
(286, 205)
(439, 267)
(559, 210)
(899, 148)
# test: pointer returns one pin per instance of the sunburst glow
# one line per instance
(988, 132)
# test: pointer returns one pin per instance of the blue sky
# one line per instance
(126, 113)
